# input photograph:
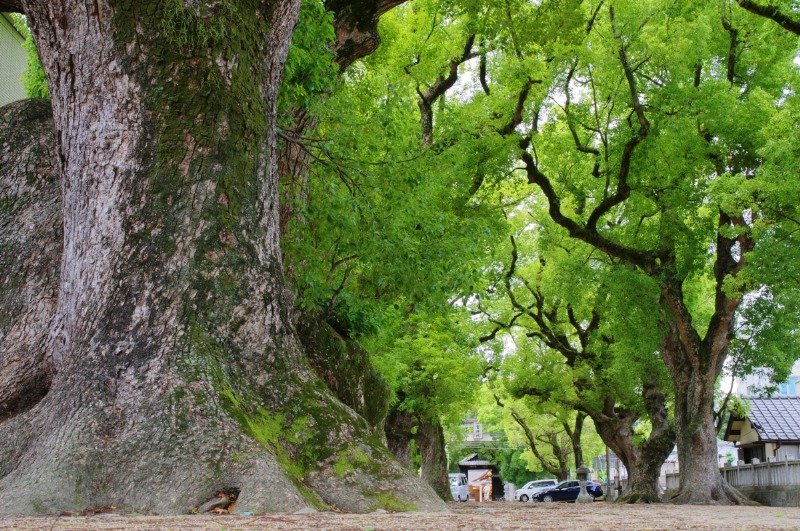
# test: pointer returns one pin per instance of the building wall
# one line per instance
(753, 384)
(12, 62)
(788, 451)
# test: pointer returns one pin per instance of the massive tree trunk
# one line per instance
(169, 369)
(643, 460)
(700, 479)
(433, 469)
(399, 434)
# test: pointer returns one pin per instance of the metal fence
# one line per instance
(784, 473)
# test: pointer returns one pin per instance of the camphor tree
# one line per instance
(658, 154)
(571, 354)
(149, 358)
(555, 437)
(392, 229)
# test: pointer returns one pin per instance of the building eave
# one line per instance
(11, 23)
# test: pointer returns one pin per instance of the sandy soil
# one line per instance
(498, 515)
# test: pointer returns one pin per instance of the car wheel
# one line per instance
(524, 498)
(547, 498)
(465, 498)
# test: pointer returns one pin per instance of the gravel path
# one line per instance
(498, 515)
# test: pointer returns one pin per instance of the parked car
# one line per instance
(530, 488)
(458, 487)
(567, 491)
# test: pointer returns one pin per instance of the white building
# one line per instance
(757, 384)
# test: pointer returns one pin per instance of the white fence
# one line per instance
(772, 474)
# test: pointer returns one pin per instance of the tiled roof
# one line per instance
(473, 460)
(776, 419)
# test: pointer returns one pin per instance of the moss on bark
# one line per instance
(346, 369)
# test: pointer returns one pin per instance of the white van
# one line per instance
(458, 487)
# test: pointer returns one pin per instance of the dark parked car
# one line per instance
(567, 491)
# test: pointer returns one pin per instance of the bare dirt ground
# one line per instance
(498, 515)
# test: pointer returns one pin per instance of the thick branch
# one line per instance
(648, 262)
(356, 28)
(720, 327)
(772, 13)
(435, 91)
(623, 190)
(684, 332)
(733, 33)
(11, 6)
(516, 117)
(482, 74)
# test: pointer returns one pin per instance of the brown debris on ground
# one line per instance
(499, 515)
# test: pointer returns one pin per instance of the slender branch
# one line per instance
(514, 39)
(649, 262)
(593, 18)
(570, 122)
(548, 465)
(482, 74)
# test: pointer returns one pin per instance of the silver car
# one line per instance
(526, 492)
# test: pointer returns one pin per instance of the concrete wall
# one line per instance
(775, 483)
(773, 496)
(12, 62)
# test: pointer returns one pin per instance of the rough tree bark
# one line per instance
(433, 469)
(30, 243)
(399, 434)
(643, 460)
(694, 376)
(170, 369)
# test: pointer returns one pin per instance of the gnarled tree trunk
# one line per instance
(643, 460)
(700, 479)
(398, 427)
(170, 368)
(433, 469)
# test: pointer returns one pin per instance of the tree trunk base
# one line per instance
(720, 494)
(639, 496)
(158, 419)
(65, 457)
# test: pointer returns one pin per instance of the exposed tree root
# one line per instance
(143, 421)
(721, 494)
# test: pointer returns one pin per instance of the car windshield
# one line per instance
(453, 481)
